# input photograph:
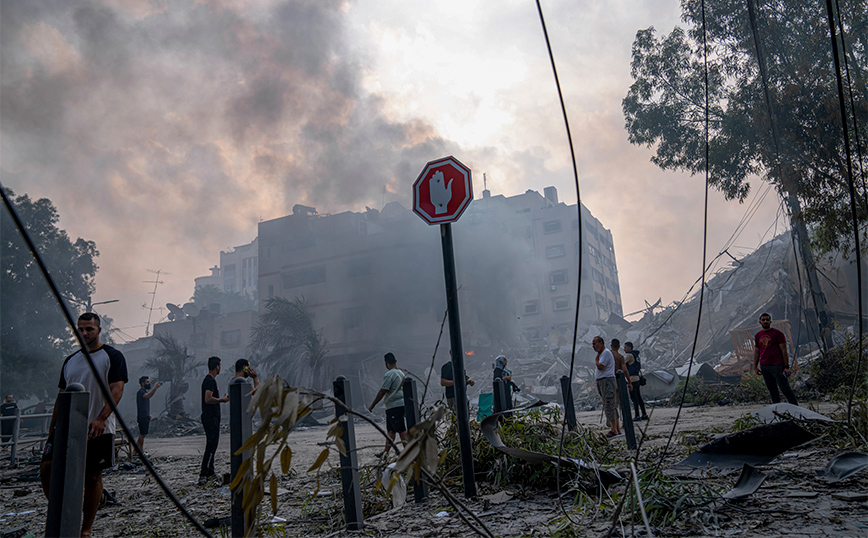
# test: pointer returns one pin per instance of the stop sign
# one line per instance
(442, 191)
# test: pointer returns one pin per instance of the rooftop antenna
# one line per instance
(156, 282)
(484, 181)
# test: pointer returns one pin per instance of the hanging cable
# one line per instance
(102, 387)
(852, 188)
(704, 243)
(581, 244)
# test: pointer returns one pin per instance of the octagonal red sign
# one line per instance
(442, 191)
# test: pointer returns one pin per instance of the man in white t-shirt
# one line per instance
(112, 368)
(605, 376)
(393, 391)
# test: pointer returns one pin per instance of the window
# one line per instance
(586, 300)
(531, 307)
(230, 338)
(591, 229)
(248, 272)
(229, 278)
(601, 301)
(525, 210)
(359, 267)
(555, 251)
(552, 227)
(598, 277)
(352, 317)
(560, 303)
(304, 277)
(558, 277)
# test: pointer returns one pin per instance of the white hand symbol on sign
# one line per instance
(441, 192)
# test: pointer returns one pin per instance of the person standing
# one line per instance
(393, 391)
(504, 373)
(771, 360)
(447, 381)
(620, 366)
(111, 366)
(634, 368)
(605, 376)
(143, 408)
(211, 401)
(8, 409)
(243, 372)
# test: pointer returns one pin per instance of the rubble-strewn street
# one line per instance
(793, 501)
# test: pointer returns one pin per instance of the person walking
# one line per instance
(211, 401)
(8, 409)
(143, 408)
(447, 380)
(393, 391)
(771, 360)
(634, 368)
(111, 367)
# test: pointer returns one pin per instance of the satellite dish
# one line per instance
(190, 309)
(175, 312)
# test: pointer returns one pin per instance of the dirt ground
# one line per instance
(793, 500)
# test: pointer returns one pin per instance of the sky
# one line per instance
(166, 130)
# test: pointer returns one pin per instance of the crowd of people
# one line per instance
(771, 361)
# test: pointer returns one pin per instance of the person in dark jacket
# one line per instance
(634, 368)
(504, 373)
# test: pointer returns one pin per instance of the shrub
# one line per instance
(833, 372)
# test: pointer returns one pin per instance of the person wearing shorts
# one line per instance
(112, 368)
(605, 376)
(143, 408)
(393, 391)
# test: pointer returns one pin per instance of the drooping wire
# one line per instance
(859, 154)
(704, 243)
(581, 246)
(104, 390)
(852, 188)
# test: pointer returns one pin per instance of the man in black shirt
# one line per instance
(211, 401)
(143, 408)
(446, 380)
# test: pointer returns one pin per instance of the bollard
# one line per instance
(66, 494)
(240, 429)
(13, 456)
(499, 406)
(569, 406)
(624, 396)
(411, 413)
(349, 462)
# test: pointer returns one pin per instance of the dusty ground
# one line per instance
(145, 511)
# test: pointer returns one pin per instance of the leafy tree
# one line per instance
(289, 344)
(34, 336)
(665, 106)
(205, 296)
(173, 363)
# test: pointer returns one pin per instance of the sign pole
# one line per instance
(457, 362)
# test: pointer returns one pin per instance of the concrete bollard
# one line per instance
(66, 494)
(624, 397)
(240, 429)
(569, 405)
(411, 413)
(349, 463)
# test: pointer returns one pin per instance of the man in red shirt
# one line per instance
(770, 360)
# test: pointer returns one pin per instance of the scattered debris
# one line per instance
(748, 482)
(844, 466)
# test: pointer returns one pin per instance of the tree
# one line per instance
(34, 335)
(173, 363)
(290, 345)
(665, 106)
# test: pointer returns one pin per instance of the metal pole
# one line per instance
(66, 493)
(240, 429)
(569, 406)
(349, 462)
(411, 412)
(457, 362)
(498, 396)
(13, 455)
(624, 396)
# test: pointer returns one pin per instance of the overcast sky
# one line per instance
(165, 130)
